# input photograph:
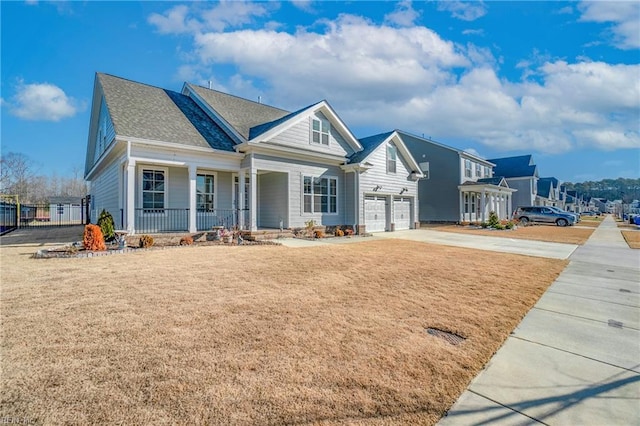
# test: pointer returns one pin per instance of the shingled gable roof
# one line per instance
(141, 111)
(261, 129)
(511, 167)
(371, 143)
(241, 114)
(545, 185)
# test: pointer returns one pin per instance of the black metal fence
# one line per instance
(177, 220)
(8, 217)
(14, 215)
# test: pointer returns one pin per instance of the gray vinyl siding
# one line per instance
(296, 169)
(103, 129)
(392, 183)
(439, 195)
(224, 189)
(524, 196)
(104, 192)
(299, 136)
(272, 196)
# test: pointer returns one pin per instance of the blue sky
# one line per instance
(559, 80)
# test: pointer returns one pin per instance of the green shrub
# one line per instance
(146, 241)
(484, 224)
(107, 225)
(509, 225)
(494, 221)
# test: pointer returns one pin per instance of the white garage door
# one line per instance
(375, 213)
(402, 213)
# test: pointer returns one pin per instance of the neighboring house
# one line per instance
(598, 204)
(520, 173)
(548, 192)
(457, 186)
(163, 161)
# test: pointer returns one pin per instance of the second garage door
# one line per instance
(375, 213)
(402, 213)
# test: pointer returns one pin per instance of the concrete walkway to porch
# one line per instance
(575, 357)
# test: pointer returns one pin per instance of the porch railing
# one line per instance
(177, 220)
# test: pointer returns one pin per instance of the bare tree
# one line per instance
(16, 174)
(17, 177)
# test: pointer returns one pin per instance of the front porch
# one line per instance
(479, 199)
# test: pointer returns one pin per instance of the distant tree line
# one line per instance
(623, 189)
(18, 176)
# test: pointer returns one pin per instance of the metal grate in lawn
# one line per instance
(452, 338)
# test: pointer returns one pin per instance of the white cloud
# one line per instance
(174, 21)
(466, 11)
(623, 15)
(387, 77)
(226, 14)
(42, 101)
(404, 15)
(305, 5)
(479, 32)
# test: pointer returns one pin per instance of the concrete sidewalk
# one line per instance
(575, 357)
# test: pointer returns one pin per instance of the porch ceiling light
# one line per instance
(377, 188)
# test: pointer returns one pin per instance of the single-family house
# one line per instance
(165, 161)
(521, 173)
(457, 186)
(548, 192)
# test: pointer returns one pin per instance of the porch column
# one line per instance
(253, 198)
(130, 196)
(461, 206)
(193, 227)
(240, 198)
(483, 205)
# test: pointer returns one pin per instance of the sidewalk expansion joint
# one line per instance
(574, 353)
(507, 407)
(597, 299)
(608, 322)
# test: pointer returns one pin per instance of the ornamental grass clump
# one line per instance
(93, 240)
(186, 241)
(146, 241)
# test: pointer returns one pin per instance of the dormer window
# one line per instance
(320, 129)
(392, 156)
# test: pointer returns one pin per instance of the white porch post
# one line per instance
(192, 199)
(461, 206)
(509, 208)
(130, 196)
(483, 205)
(240, 200)
(253, 197)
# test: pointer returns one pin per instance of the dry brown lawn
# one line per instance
(256, 334)
(550, 233)
(632, 238)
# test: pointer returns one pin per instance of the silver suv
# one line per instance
(543, 215)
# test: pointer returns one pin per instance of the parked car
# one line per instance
(545, 214)
(559, 210)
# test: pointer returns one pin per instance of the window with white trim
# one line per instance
(320, 195)
(467, 168)
(153, 190)
(392, 157)
(320, 129)
(478, 170)
(205, 193)
(487, 171)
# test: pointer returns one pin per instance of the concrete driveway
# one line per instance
(479, 242)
